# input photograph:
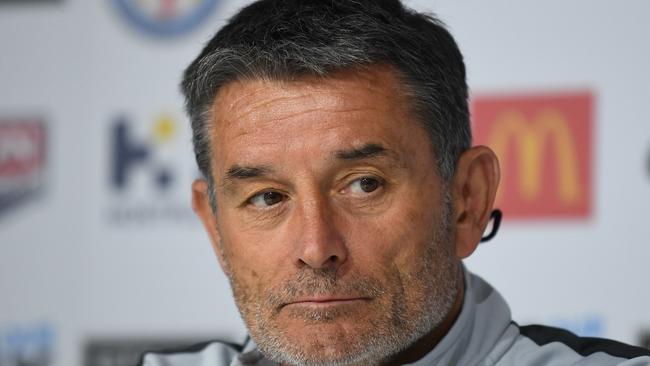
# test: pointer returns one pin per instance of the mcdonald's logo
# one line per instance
(544, 145)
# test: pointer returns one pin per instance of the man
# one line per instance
(341, 195)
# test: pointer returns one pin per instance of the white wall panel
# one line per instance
(68, 268)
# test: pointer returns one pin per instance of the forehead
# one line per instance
(240, 98)
(254, 118)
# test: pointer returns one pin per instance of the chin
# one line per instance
(329, 343)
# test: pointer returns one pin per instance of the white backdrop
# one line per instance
(89, 258)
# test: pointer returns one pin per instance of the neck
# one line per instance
(427, 343)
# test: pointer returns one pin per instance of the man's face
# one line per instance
(333, 225)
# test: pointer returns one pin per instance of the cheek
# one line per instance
(394, 239)
(386, 248)
(253, 257)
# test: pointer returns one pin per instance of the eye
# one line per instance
(266, 199)
(365, 185)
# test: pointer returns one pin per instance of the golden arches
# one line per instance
(531, 139)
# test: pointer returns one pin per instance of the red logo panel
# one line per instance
(21, 147)
(544, 145)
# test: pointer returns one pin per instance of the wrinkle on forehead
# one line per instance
(258, 100)
(257, 118)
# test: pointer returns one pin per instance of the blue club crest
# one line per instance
(166, 17)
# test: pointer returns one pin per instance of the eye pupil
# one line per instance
(368, 184)
(271, 198)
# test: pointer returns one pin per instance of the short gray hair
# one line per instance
(287, 39)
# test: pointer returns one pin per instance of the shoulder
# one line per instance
(543, 345)
(213, 353)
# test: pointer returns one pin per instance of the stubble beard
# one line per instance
(405, 319)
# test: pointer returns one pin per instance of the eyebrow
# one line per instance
(369, 150)
(239, 172)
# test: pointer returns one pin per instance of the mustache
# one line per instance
(314, 282)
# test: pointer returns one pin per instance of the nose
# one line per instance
(320, 244)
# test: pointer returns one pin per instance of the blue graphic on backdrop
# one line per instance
(22, 161)
(130, 155)
(590, 325)
(31, 345)
(150, 173)
(166, 17)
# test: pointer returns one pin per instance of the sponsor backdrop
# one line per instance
(101, 256)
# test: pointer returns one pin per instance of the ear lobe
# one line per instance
(203, 209)
(474, 189)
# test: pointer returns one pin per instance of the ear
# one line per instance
(203, 209)
(474, 188)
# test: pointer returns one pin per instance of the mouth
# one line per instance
(325, 301)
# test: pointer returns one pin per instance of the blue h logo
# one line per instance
(129, 155)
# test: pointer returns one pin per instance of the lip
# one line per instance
(326, 301)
